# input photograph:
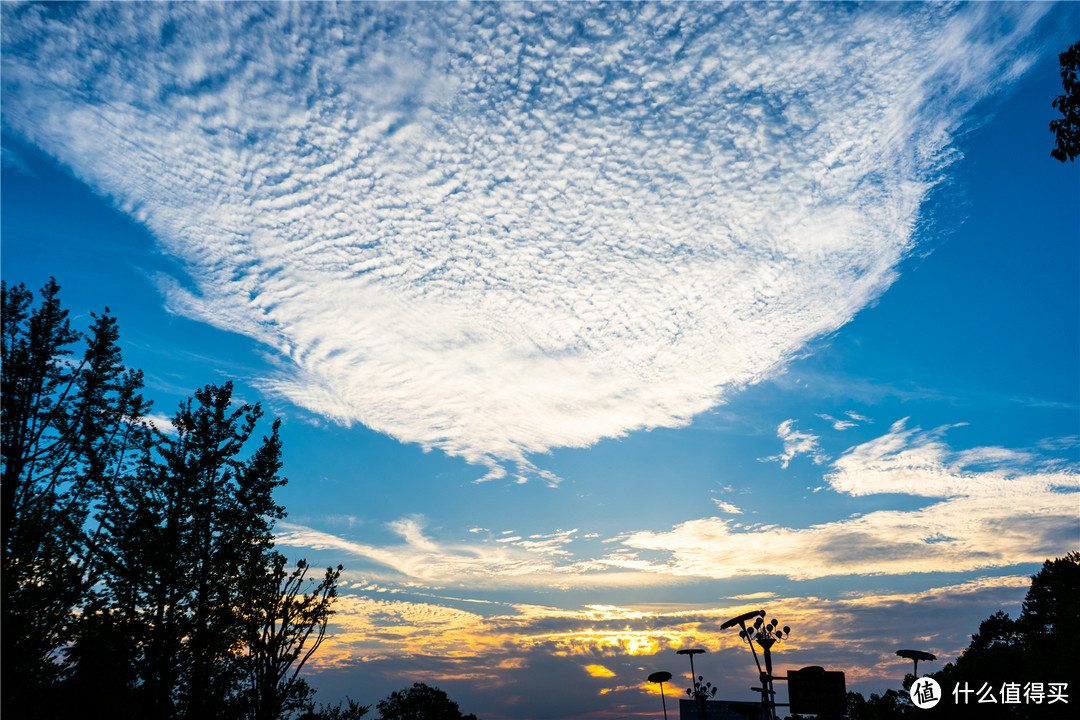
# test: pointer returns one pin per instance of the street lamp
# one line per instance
(693, 677)
(916, 655)
(661, 677)
(766, 634)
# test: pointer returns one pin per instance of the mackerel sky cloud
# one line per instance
(498, 229)
(762, 306)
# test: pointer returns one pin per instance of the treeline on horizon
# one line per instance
(1029, 653)
(139, 574)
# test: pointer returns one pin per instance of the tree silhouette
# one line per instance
(420, 702)
(348, 709)
(283, 620)
(890, 705)
(1037, 647)
(195, 542)
(1067, 128)
(139, 574)
(224, 627)
(70, 430)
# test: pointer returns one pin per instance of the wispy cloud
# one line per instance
(987, 507)
(9, 158)
(837, 424)
(510, 561)
(724, 506)
(796, 443)
(853, 419)
(496, 229)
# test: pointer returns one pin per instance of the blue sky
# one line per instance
(591, 326)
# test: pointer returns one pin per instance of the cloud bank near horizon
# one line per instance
(599, 655)
(984, 508)
(601, 650)
(503, 228)
(607, 631)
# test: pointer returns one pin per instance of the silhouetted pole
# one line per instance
(768, 694)
(693, 677)
(661, 677)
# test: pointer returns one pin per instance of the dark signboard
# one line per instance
(817, 691)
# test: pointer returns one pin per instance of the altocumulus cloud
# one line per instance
(495, 229)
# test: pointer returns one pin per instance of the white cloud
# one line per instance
(511, 561)
(853, 420)
(727, 507)
(917, 462)
(796, 443)
(837, 424)
(857, 417)
(755, 596)
(496, 229)
(989, 507)
(161, 422)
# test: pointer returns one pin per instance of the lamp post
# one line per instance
(661, 677)
(693, 677)
(766, 634)
(916, 655)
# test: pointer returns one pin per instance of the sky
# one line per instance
(590, 325)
